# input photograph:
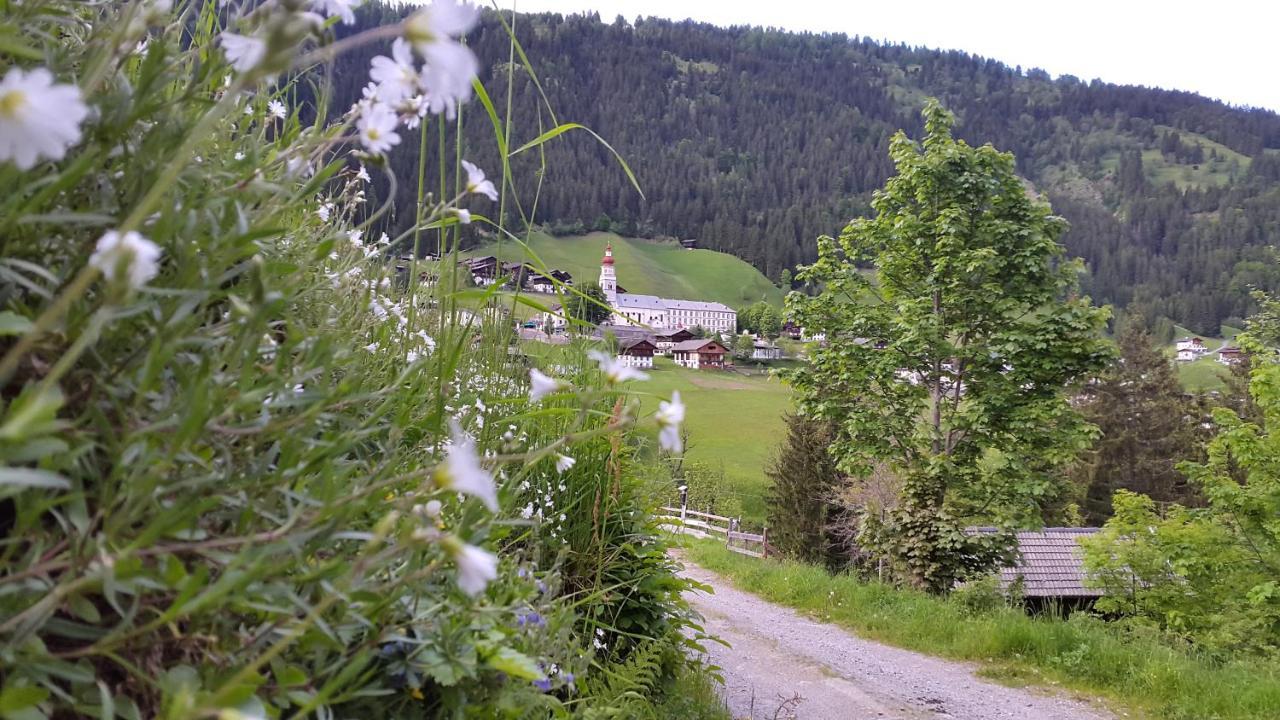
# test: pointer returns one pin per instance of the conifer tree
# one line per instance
(804, 477)
(1147, 426)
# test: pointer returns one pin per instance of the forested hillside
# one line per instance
(756, 141)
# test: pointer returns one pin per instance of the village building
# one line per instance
(699, 353)
(667, 338)
(660, 313)
(1190, 348)
(1049, 567)
(636, 353)
(1230, 355)
(764, 350)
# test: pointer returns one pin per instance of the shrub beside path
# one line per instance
(782, 664)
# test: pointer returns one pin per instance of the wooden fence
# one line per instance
(706, 525)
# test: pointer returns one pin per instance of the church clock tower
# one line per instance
(608, 280)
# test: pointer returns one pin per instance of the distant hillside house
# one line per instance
(636, 353)
(1049, 566)
(699, 353)
(1230, 355)
(667, 339)
(762, 350)
(660, 313)
(1190, 348)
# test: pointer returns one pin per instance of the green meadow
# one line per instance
(648, 267)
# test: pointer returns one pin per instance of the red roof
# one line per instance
(608, 255)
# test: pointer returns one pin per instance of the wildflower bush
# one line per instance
(257, 463)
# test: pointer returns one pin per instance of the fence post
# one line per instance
(728, 535)
(764, 542)
(684, 507)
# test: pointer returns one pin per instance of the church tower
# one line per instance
(608, 280)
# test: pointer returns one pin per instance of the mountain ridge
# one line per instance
(756, 141)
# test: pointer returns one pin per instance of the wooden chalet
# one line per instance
(636, 353)
(699, 353)
(1049, 567)
(667, 338)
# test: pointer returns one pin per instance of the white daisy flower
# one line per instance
(669, 417)
(461, 471)
(243, 52)
(542, 385)
(377, 129)
(340, 8)
(476, 182)
(38, 118)
(276, 109)
(396, 76)
(476, 567)
(564, 463)
(614, 370)
(447, 77)
(131, 254)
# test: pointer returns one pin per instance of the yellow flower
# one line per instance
(416, 693)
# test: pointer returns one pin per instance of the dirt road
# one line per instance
(778, 655)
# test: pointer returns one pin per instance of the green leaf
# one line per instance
(291, 676)
(33, 413)
(12, 323)
(514, 663)
(14, 480)
(20, 697)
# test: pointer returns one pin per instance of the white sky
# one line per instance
(1225, 49)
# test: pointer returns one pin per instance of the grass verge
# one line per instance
(1083, 653)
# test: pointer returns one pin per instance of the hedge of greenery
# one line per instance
(253, 464)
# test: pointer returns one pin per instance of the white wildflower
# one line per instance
(38, 118)
(276, 109)
(433, 508)
(669, 417)
(464, 215)
(396, 76)
(137, 257)
(356, 236)
(564, 463)
(325, 211)
(461, 471)
(476, 182)
(238, 155)
(243, 52)
(476, 567)
(451, 66)
(363, 174)
(339, 8)
(615, 371)
(377, 129)
(542, 385)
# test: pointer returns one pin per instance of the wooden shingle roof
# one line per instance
(1050, 563)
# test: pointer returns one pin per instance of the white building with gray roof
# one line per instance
(660, 313)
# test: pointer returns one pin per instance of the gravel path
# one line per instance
(783, 665)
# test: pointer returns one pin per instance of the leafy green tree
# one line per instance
(743, 346)
(953, 377)
(770, 322)
(1147, 426)
(592, 307)
(784, 279)
(800, 501)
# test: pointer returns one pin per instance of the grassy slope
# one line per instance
(1083, 654)
(734, 422)
(1205, 374)
(652, 268)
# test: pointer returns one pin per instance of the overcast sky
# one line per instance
(1226, 49)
